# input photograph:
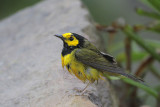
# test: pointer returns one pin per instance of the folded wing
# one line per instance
(99, 62)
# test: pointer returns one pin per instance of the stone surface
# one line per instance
(30, 67)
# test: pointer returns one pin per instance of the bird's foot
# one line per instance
(80, 92)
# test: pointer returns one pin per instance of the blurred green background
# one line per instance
(105, 12)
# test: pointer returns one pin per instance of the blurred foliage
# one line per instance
(153, 3)
(131, 34)
(146, 88)
(8, 7)
(135, 49)
(148, 14)
(135, 56)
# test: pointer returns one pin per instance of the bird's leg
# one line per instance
(83, 90)
(97, 82)
(85, 87)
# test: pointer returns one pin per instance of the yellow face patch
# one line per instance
(70, 39)
(67, 35)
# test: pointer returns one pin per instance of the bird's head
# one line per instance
(72, 39)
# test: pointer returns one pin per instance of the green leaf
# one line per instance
(157, 88)
(113, 78)
(148, 3)
(155, 4)
(138, 55)
(145, 2)
(155, 28)
(134, 36)
(147, 89)
(148, 14)
(155, 72)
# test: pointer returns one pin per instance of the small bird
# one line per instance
(86, 62)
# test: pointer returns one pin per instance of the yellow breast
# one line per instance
(80, 70)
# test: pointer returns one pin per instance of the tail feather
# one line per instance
(134, 78)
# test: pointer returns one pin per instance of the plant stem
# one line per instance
(155, 72)
(128, 53)
(144, 65)
(130, 33)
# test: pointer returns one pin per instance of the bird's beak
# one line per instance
(59, 36)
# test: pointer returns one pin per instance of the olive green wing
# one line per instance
(99, 62)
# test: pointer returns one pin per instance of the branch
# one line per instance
(154, 72)
(143, 65)
(128, 53)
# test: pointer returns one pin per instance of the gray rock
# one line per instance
(30, 66)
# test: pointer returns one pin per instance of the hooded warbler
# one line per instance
(85, 61)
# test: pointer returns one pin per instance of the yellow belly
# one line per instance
(80, 70)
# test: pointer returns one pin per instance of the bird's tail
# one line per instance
(137, 79)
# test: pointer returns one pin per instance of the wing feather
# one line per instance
(99, 62)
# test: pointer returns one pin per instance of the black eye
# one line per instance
(71, 38)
